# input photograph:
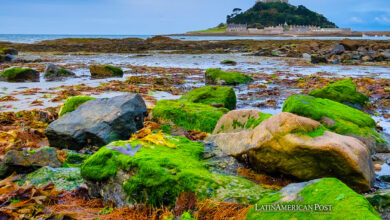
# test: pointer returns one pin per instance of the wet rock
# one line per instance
(104, 71)
(10, 51)
(350, 44)
(212, 95)
(316, 59)
(348, 121)
(53, 72)
(377, 167)
(239, 120)
(306, 56)
(300, 147)
(111, 119)
(63, 178)
(343, 91)
(219, 77)
(16, 74)
(327, 197)
(73, 103)
(229, 62)
(27, 161)
(380, 200)
(9, 58)
(338, 49)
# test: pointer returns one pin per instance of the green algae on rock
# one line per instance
(343, 91)
(157, 174)
(63, 178)
(219, 77)
(337, 117)
(212, 95)
(326, 198)
(103, 71)
(17, 74)
(72, 103)
(189, 115)
(239, 120)
(74, 159)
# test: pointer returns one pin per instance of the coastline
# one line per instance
(226, 34)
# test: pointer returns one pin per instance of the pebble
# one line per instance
(377, 167)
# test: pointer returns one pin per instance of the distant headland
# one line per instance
(278, 18)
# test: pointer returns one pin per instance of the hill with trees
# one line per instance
(272, 14)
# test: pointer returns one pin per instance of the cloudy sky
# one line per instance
(164, 16)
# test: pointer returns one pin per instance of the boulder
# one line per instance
(189, 115)
(306, 56)
(338, 49)
(98, 122)
(381, 202)
(229, 62)
(219, 77)
(66, 179)
(104, 71)
(28, 161)
(350, 44)
(73, 103)
(239, 120)
(158, 172)
(343, 91)
(316, 59)
(16, 74)
(339, 118)
(302, 148)
(212, 95)
(326, 198)
(53, 72)
(9, 51)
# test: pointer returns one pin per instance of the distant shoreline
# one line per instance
(353, 34)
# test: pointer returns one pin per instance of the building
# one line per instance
(267, 1)
(237, 28)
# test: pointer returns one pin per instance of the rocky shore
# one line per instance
(169, 132)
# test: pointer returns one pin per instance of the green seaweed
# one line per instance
(217, 76)
(345, 203)
(343, 91)
(73, 103)
(12, 73)
(252, 122)
(117, 71)
(191, 116)
(212, 95)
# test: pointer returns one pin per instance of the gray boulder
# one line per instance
(338, 49)
(53, 72)
(98, 122)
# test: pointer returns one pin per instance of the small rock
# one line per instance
(377, 167)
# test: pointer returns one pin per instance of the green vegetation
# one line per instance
(272, 14)
(219, 29)
(191, 116)
(160, 173)
(12, 73)
(74, 159)
(252, 122)
(217, 76)
(346, 203)
(73, 103)
(117, 71)
(187, 216)
(343, 91)
(347, 120)
(315, 133)
(212, 95)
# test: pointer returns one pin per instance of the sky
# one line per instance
(164, 16)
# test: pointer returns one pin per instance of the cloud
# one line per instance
(382, 19)
(356, 20)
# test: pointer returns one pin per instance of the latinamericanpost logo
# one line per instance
(314, 208)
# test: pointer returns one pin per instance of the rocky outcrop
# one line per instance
(27, 161)
(19, 75)
(350, 44)
(302, 148)
(216, 96)
(111, 119)
(239, 120)
(326, 198)
(53, 72)
(104, 71)
(339, 118)
(219, 77)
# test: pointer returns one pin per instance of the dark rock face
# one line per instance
(315, 59)
(27, 161)
(98, 122)
(338, 49)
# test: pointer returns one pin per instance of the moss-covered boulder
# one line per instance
(343, 91)
(381, 201)
(326, 198)
(302, 148)
(339, 118)
(16, 74)
(156, 169)
(104, 71)
(63, 178)
(73, 103)
(189, 115)
(238, 120)
(219, 77)
(216, 96)
(53, 72)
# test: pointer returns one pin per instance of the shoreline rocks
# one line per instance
(105, 71)
(216, 96)
(55, 73)
(219, 77)
(16, 74)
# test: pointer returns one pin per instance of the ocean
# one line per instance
(32, 38)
